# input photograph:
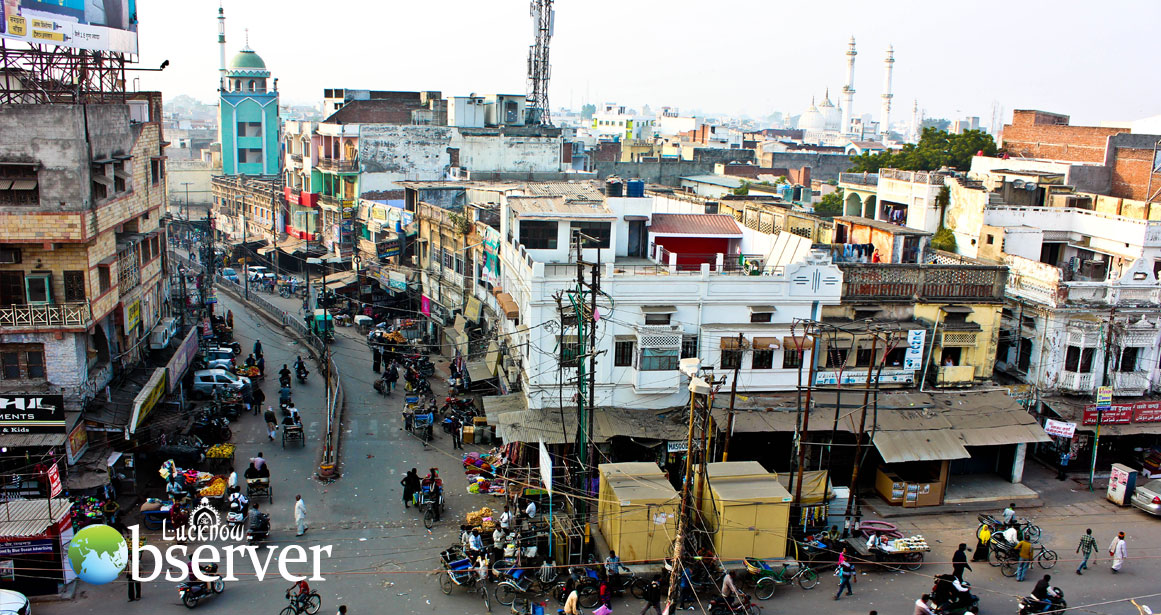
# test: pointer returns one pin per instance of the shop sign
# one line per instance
(896, 376)
(132, 315)
(181, 360)
(1109, 415)
(1147, 412)
(147, 399)
(78, 442)
(913, 358)
(396, 281)
(25, 547)
(1104, 396)
(54, 481)
(472, 310)
(425, 306)
(1060, 429)
(32, 414)
(677, 446)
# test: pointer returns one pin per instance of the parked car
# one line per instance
(230, 274)
(258, 273)
(205, 380)
(218, 358)
(1147, 497)
(14, 603)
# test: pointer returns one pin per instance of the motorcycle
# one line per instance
(420, 363)
(236, 515)
(458, 405)
(283, 380)
(212, 429)
(258, 529)
(301, 374)
(950, 601)
(1031, 606)
(193, 591)
(741, 606)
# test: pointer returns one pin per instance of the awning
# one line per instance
(797, 342)
(658, 309)
(101, 178)
(957, 309)
(27, 518)
(532, 426)
(495, 405)
(5, 184)
(612, 422)
(27, 440)
(292, 246)
(760, 309)
(730, 343)
(264, 250)
(919, 445)
(478, 371)
(1009, 434)
(766, 343)
(337, 281)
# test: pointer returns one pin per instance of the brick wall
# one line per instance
(1131, 173)
(1038, 134)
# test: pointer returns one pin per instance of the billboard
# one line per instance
(32, 413)
(97, 25)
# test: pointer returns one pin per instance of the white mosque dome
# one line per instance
(832, 115)
(812, 119)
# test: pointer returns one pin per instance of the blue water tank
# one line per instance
(635, 188)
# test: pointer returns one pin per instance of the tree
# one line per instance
(742, 190)
(936, 149)
(831, 204)
(588, 111)
(943, 239)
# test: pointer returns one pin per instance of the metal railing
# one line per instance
(859, 179)
(48, 315)
(336, 165)
(330, 452)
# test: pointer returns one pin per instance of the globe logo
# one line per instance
(98, 554)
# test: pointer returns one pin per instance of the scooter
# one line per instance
(302, 374)
(212, 429)
(1033, 606)
(283, 380)
(259, 529)
(193, 591)
(236, 515)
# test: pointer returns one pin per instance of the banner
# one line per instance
(913, 358)
(32, 414)
(425, 306)
(97, 25)
(1059, 429)
(54, 481)
(145, 401)
(181, 360)
(1110, 415)
(545, 467)
(78, 442)
(26, 547)
(132, 315)
(472, 310)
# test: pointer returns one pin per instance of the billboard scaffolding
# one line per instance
(48, 74)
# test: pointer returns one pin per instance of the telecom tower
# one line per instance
(849, 88)
(543, 18)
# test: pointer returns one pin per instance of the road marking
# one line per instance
(373, 430)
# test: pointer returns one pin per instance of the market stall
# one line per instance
(746, 510)
(640, 517)
(34, 541)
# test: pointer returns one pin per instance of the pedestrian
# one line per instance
(1065, 457)
(251, 361)
(392, 376)
(257, 348)
(1118, 551)
(258, 398)
(1009, 515)
(456, 433)
(845, 572)
(261, 363)
(652, 597)
(300, 515)
(604, 592)
(959, 561)
(271, 422)
(376, 358)
(1024, 549)
(134, 586)
(411, 486)
(1086, 548)
(506, 519)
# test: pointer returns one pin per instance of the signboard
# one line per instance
(1146, 411)
(8, 570)
(425, 306)
(32, 414)
(388, 248)
(895, 376)
(1060, 429)
(1104, 396)
(181, 360)
(78, 442)
(25, 547)
(1110, 415)
(545, 467)
(913, 357)
(132, 315)
(677, 446)
(396, 281)
(472, 309)
(54, 481)
(147, 399)
(110, 25)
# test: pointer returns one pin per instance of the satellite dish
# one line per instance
(1017, 183)
(1029, 187)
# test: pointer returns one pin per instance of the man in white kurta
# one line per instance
(1117, 551)
(300, 514)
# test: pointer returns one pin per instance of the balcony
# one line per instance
(78, 314)
(1130, 383)
(339, 165)
(955, 376)
(884, 282)
(1076, 382)
(296, 158)
(859, 179)
(931, 178)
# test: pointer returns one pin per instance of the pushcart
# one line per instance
(293, 434)
(906, 553)
(259, 488)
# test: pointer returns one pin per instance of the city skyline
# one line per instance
(935, 59)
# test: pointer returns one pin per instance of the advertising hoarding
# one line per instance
(96, 25)
(32, 414)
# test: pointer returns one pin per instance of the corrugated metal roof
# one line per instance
(695, 224)
(583, 190)
(536, 425)
(919, 445)
(16, 440)
(611, 422)
(23, 518)
(495, 405)
(726, 181)
(558, 206)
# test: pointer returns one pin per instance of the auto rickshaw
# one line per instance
(322, 324)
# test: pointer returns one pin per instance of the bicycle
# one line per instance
(1045, 558)
(309, 604)
(767, 579)
(459, 570)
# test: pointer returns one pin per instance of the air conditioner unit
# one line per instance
(10, 256)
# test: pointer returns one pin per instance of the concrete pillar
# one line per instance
(1018, 463)
(672, 262)
(719, 258)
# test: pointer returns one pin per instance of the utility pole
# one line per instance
(683, 509)
(1105, 381)
(862, 426)
(804, 410)
(186, 184)
(733, 396)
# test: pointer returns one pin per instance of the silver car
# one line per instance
(1147, 497)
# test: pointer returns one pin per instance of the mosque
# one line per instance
(829, 123)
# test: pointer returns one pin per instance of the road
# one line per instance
(383, 557)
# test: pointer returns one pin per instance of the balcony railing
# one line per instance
(859, 179)
(296, 158)
(955, 375)
(916, 177)
(1130, 383)
(339, 165)
(77, 314)
(901, 282)
(1076, 382)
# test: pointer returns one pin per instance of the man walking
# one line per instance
(300, 515)
(1024, 548)
(411, 486)
(1118, 552)
(457, 433)
(1086, 547)
(392, 376)
(271, 422)
(845, 572)
(1065, 457)
(959, 561)
(652, 597)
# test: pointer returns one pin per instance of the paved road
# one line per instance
(382, 555)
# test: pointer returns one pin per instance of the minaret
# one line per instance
(221, 48)
(915, 121)
(885, 112)
(849, 88)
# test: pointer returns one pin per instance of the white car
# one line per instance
(258, 273)
(218, 358)
(205, 380)
(14, 603)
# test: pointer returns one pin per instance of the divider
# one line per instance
(328, 465)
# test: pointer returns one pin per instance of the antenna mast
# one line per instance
(543, 18)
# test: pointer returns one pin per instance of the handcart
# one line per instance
(906, 553)
(259, 488)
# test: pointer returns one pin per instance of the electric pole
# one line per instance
(862, 426)
(733, 396)
(1105, 381)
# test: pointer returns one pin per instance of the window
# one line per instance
(731, 358)
(895, 357)
(11, 287)
(600, 231)
(689, 346)
(104, 278)
(762, 359)
(863, 357)
(22, 362)
(623, 351)
(538, 234)
(1078, 360)
(119, 176)
(1024, 355)
(74, 285)
(761, 316)
(1129, 359)
(18, 185)
(791, 358)
(38, 288)
(657, 319)
(658, 359)
(990, 239)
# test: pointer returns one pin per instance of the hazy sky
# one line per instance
(1092, 60)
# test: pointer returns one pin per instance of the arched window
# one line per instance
(251, 85)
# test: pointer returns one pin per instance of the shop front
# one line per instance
(34, 541)
(1128, 428)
